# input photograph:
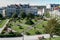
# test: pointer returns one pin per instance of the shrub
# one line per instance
(29, 22)
(19, 21)
(37, 32)
(11, 35)
(20, 27)
(30, 15)
(43, 26)
(23, 15)
(17, 34)
(27, 33)
(7, 35)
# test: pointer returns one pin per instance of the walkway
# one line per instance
(34, 37)
(1, 29)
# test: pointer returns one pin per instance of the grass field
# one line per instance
(39, 27)
(57, 38)
(16, 27)
(2, 23)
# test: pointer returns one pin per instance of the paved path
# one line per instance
(1, 29)
(34, 37)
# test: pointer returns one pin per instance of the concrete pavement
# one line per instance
(33, 37)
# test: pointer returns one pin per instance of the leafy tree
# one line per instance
(20, 27)
(1, 16)
(30, 22)
(52, 27)
(30, 15)
(15, 15)
(57, 29)
(37, 32)
(47, 14)
(27, 33)
(23, 15)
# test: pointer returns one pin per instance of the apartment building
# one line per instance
(41, 10)
(2, 11)
(10, 10)
(18, 8)
(55, 10)
(53, 6)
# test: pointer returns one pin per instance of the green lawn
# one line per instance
(16, 27)
(25, 26)
(57, 38)
(39, 27)
(2, 23)
(32, 32)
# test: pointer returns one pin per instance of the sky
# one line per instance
(31, 2)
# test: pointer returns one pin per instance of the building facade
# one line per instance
(41, 10)
(53, 6)
(10, 10)
(2, 11)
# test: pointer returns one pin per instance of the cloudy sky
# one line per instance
(31, 2)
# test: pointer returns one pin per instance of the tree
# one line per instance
(57, 29)
(37, 32)
(27, 33)
(47, 14)
(52, 27)
(30, 15)
(30, 22)
(1, 16)
(15, 15)
(23, 15)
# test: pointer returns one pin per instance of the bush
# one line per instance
(30, 15)
(1, 15)
(43, 26)
(19, 21)
(37, 32)
(23, 15)
(17, 34)
(7, 35)
(29, 22)
(11, 35)
(20, 27)
(27, 33)
(47, 14)
(11, 32)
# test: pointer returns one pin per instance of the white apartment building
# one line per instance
(55, 12)
(2, 11)
(42, 10)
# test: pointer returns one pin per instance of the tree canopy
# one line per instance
(52, 27)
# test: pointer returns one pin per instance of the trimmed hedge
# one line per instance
(10, 35)
(29, 22)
